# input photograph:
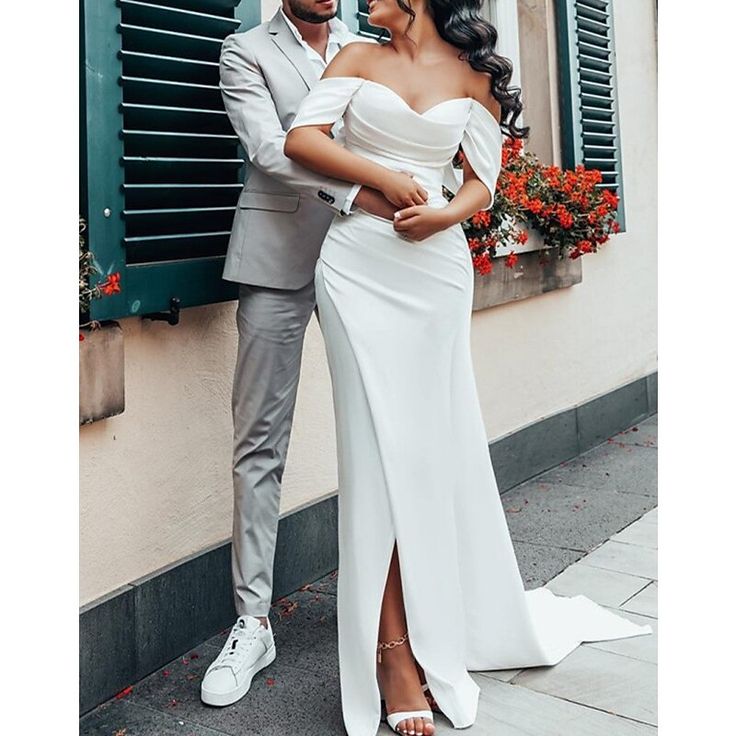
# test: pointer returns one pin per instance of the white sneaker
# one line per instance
(249, 648)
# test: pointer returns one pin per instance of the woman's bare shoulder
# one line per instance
(479, 88)
(352, 59)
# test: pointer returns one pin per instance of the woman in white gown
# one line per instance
(427, 567)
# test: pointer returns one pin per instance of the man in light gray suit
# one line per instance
(281, 219)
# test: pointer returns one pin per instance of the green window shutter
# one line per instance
(588, 95)
(161, 166)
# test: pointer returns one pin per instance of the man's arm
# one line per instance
(253, 115)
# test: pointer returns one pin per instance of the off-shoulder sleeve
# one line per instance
(481, 144)
(326, 101)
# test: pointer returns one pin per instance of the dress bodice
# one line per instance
(379, 124)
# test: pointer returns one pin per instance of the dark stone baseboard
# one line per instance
(135, 630)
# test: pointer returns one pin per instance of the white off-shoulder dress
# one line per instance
(413, 461)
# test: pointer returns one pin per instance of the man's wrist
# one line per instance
(348, 206)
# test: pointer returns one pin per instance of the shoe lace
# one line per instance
(239, 643)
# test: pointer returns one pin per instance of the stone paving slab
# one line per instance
(502, 675)
(644, 602)
(120, 718)
(642, 533)
(644, 434)
(570, 516)
(651, 517)
(637, 647)
(509, 710)
(628, 469)
(539, 563)
(607, 587)
(327, 584)
(626, 558)
(599, 679)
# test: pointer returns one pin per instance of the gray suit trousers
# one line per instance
(271, 327)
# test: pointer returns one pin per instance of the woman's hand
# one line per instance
(421, 221)
(400, 188)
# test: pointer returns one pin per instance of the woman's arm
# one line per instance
(312, 147)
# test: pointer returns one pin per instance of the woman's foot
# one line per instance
(399, 681)
(427, 692)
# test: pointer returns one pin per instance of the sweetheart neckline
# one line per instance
(407, 105)
(410, 108)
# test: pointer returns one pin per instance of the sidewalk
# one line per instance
(586, 526)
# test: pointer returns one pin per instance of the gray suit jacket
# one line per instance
(284, 209)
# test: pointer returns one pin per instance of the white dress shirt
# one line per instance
(337, 32)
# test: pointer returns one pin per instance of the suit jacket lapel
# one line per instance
(282, 36)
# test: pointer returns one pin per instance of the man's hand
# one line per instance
(373, 202)
(421, 221)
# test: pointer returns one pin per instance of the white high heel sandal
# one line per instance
(393, 719)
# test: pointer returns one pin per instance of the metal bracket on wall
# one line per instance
(172, 316)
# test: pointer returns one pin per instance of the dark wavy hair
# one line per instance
(460, 23)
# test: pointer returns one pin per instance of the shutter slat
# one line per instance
(170, 18)
(175, 119)
(173, 68)
(173, 94)
(147, 224)
(170, 43)
(175, 247)
(215, 7)
(190, 194)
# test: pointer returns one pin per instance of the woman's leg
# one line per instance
(397, 670)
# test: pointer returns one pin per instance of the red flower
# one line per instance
(585, 246)
(610, 199)
(511, 259)
(536, 205)
(111, 285)
(565, 218)
(522, 237)
(481, 219)
(482, 264)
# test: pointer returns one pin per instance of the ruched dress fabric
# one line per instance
(413, 461)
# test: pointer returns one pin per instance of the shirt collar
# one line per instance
(336, 26)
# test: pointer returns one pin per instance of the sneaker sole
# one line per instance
(222, 699)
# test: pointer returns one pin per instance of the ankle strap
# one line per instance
(391, 644)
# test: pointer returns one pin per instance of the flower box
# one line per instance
(527, 277)
(101, 372)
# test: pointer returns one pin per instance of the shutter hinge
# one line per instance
(172, 316)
